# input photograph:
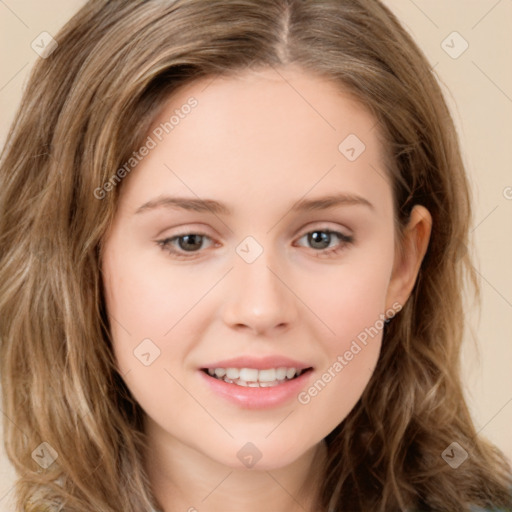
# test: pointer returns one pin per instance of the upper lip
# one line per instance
(260, 363)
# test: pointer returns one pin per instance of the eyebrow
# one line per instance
(216, 207)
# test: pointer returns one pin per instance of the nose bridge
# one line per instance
(258, 298)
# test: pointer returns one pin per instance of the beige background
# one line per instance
(478, 84)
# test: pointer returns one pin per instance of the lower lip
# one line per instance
(257, 398)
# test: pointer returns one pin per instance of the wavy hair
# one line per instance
(86, 108)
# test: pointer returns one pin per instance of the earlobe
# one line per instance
(409, 256)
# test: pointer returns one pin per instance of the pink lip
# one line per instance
(262, 363)
(257, 398)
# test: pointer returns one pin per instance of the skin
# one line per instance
(258, 145)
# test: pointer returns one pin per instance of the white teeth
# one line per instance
(290, 373)
(232, 373)
(281, 373)
(267, 375)
(249, 374)
(269, 384)
(253, 378)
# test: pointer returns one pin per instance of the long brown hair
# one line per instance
(86, 108)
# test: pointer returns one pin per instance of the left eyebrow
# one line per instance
(323, 203)
(215, 207)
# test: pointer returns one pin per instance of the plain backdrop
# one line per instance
(469, 44)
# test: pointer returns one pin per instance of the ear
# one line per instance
(409, 255)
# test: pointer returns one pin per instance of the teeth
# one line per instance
(281, 373)
(232, 373)
(269, 375)
(249, 374)
(252, 377)
(219, 372)
(290, 373)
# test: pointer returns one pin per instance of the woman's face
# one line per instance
(254, 239)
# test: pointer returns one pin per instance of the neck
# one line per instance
(183, 479)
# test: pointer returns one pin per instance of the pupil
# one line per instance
(319, 237)
(190, 242)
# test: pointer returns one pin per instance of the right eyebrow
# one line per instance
(185, 203)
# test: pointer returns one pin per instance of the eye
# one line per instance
(179, 245)
(188, 245)
(321, 240)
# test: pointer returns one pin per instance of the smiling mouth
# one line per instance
(255, 378)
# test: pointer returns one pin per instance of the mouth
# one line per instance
(254, 377)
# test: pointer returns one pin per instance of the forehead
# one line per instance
(258, 132)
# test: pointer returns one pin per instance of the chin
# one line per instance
(260, 455)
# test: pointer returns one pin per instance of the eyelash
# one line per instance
(166, 243)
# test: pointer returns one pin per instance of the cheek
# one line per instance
(353, 307)
(350, 298)
(146, 301)
(157, 316)
(350, 359)
(350, 303)
(147, 319)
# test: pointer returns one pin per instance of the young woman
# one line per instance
(231, 269)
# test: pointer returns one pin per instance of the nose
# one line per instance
(260, 299)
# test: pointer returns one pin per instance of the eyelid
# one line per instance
(186, 229)
(325, 226)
